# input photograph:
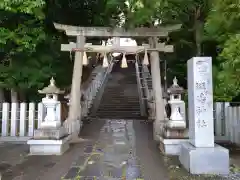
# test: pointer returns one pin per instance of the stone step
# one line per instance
(121, 104)
(111, 104)
(125, 100)
(134, 94)
(113, 113)
(112, 87)
(121, 93)
(117, 97)
(120, 85)
(121, 116)
(119, 89)
(117, 117)
(118, 109)
(113, 107)
(131, 79)
(115, 101)
(123, 81)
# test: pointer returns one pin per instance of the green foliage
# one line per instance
(92, 12)
(21, 31)
(33, 7)
(30, 47)
(223, 19)
(219, 38)
(223, 26)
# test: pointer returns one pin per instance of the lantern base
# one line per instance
(48, 147)
(171, 147)
(50, 124)
(50, 133)
(170, 142)
(176, 124)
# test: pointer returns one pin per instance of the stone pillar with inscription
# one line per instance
(201, 155)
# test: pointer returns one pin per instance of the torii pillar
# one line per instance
(157, 90)
(74, 116)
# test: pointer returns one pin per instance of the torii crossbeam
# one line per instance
(116, 32)
(88, 47)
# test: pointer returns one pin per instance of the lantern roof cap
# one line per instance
(51, 88)
(175, 88)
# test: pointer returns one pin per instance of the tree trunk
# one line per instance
(2, 97)
(198, 27)
(14, 96)
(198, 36)
(22, 96)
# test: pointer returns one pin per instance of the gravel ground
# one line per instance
(177, 172)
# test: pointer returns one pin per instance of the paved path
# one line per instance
(116, 149)
(122, 150)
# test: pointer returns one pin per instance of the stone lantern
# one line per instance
(177, 117)
(175, 131)
(50, 102)
(51, 137)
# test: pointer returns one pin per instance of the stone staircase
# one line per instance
(120, 98)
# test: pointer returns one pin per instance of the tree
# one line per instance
(30, 46)
(223, 26)
(188, 42)
(20, 32)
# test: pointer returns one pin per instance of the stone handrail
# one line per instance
(147, 80)
(97, 100)
(141, 88)
(148, 91)
(90, 92)
(92, 89)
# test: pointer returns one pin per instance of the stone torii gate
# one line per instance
(81, 47)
